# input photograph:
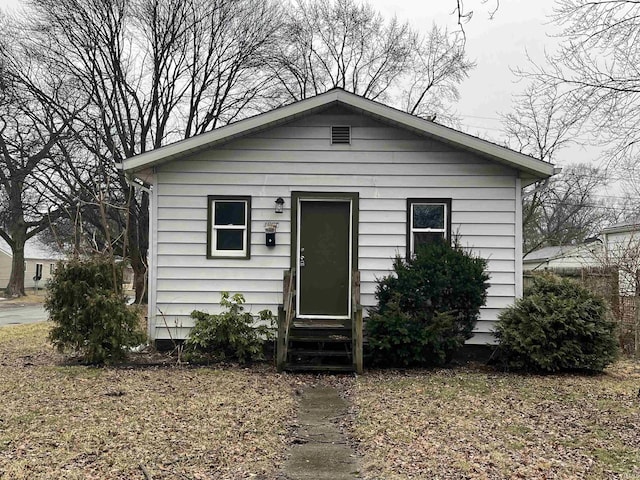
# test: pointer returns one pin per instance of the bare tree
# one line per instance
(31, 131)
(437, 66)
(464, 15)
(567, 209)
(152, 72)
(564, 209)
(341, 43)
(596, 69)
(542, 122)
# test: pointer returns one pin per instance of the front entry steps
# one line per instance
(331, 344)
(326, 346)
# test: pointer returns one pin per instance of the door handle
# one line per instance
(302, 261)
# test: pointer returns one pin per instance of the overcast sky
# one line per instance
(498, 44)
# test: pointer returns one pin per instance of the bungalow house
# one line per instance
(38, 258)
(303, 207)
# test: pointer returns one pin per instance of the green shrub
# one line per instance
(428, 307)
(230, 335)
(557, 325)
(90, 314)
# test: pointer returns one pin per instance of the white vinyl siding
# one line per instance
(383, 164)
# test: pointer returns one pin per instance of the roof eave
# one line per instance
(622, 229)
(531, 169)
(228, 132)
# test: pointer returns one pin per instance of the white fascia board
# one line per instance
(531, 167)
(631, 228)
(454, 137)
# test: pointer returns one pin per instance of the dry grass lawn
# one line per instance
(479, 424)
(75, 422)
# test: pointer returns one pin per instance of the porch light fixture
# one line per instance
(279, 205)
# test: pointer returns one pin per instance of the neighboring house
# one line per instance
(563, 257)
(36, 256)
(357, 183)
(622, 244)
(5, 264)
(621, 235)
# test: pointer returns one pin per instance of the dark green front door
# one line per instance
(324, 258)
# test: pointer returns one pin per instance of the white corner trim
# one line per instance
(518, 257)
(153, 261)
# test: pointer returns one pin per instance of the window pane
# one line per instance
(229, 213)
(428, 216)
(422, 238)
(229, 239)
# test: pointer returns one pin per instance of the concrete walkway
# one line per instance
(320, 450)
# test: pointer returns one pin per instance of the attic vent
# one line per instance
(341, 135)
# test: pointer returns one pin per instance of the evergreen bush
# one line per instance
(232, 334)
(89, 311)
(558, 325)
(428, 307)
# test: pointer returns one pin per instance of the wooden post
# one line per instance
(356, 326)
(283, 321)
(357, 341)
(281, 350)
(286, 280)
(356, 289)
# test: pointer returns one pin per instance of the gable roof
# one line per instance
(531, 168)
(583, 252)
(549, 253)
(631, 225)
(33, 250)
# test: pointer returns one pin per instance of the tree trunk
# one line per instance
(15, 287)
(139, 246)
(139, 279)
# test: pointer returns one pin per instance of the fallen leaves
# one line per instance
(470, 423)
(73, 422)
(164, 422)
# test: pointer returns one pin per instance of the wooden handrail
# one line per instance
(285, 317)
(288, 306)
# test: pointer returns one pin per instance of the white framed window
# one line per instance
(229, 227)
(428, 220)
